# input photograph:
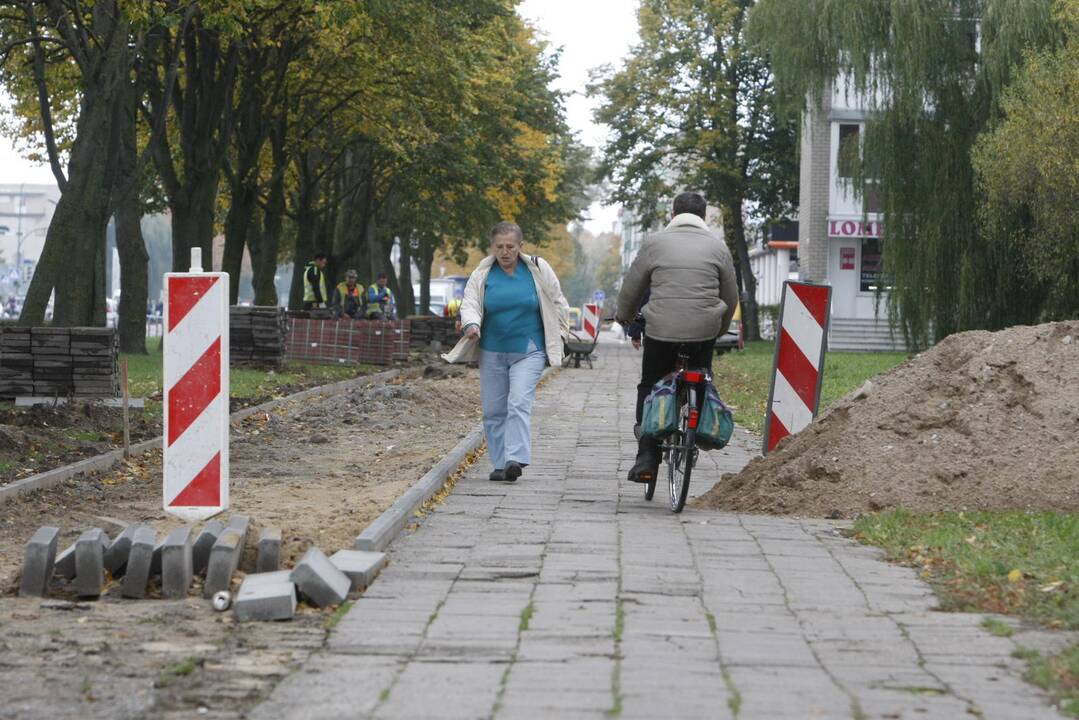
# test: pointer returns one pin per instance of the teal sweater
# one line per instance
(511, 311)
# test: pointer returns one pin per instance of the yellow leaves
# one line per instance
(1015, 575)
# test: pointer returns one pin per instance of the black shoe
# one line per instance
(497, 476)
(646, 467)
(513, 471)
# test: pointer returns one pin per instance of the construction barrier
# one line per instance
(590, 320)
(196, 397)
(799, 360)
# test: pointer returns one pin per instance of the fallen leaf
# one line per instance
(1015, 576)
(1051, 586)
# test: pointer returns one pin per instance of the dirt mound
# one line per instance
(980, 421)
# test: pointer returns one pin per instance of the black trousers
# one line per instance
(660, 358)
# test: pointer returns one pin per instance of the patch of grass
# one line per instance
(997, 627)
(734, 702)
(711, 622)
(1019, 563)
(742, 378)
(1056, 674)
(384, 695)
(526, 616)
(338, 614)
(178, 670)
(87, 435)
(619, 621)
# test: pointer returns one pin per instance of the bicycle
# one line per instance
(680, 450)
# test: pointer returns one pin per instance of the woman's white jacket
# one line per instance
(553, 309)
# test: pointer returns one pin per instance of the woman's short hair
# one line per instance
(507, 228)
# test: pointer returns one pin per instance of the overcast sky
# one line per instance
(589, 32)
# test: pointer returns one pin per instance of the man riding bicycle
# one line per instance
(690, 274)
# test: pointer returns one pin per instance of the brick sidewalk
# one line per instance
(567, 595)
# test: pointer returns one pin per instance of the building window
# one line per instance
(849, 150)
(871, 197)
(871, 265)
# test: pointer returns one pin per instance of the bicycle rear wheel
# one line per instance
(680, 466)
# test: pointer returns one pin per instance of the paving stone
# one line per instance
(224, 559)
(204, 542)
(269, 550)
(90, 563)
(360, 566)
(176, 564)
(319, 581)
(38, 566)
(139, 560)
(65, 563)
(116, 555)
(265, 596)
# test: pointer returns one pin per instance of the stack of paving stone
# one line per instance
(428, 329)
(135, 557)
(257, 335)
(66, 362)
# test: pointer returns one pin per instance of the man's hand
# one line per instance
(636, 343)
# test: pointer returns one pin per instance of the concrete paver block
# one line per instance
(139, 559)
(318, 579)
(239, 523)
(65, 563)
(176, 567)
(38, 565)
(360, 566)
(200, 552)
(116, 555)
(90, 562)
(269, 550)
(224, 558)
(266, 596)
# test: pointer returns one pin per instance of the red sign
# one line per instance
(846, 258)
(838, 227)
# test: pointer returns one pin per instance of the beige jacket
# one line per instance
(553, 309)
(691, 275)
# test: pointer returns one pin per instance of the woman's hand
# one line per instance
(472, 331)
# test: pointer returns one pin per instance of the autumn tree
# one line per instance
(694, 107)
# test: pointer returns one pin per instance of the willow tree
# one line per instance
(1026, 170)
(695, 107)
(932, 74)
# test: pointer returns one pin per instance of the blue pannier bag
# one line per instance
(660, 415)
(716, 424)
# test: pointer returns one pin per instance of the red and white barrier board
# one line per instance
(801, 343)
(196, 368)
(590, 319)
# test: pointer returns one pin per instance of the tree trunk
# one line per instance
(425, 260)
(735, 232)
(305, 232)
(193, 221)
(130, 246)
(237, 224)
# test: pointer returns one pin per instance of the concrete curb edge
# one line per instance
(105, 461)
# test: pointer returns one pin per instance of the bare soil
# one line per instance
(980, 421)
(320, 470)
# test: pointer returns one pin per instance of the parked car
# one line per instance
(733, 339)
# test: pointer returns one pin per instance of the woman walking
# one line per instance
(513, 316)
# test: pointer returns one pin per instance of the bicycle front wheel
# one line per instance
(680, 466)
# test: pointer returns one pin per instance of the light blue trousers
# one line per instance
(507, 390)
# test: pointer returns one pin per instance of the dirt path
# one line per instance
(320, 470)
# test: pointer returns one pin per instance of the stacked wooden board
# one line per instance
(257, 335)
(428, 328)
(59, 362)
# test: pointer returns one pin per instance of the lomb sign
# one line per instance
(799, 360)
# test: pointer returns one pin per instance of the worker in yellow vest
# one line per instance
(314, 283)
(380, 301)
(348, 297)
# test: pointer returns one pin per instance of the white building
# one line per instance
(25, 213)
(839, 235)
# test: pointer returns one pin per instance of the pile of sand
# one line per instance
(980, 421)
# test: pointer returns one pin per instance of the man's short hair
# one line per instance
(382, 276)
(351, 274)
(507, 228)
(320, 256)
(690, 202)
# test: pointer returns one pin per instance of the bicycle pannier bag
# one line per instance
(660, 416)
(716, 423)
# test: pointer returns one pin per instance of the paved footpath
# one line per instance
(566, 595)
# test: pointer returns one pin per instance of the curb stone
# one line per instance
(107, 460)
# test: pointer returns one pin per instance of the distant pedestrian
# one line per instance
(380, 300)
(314, 283)
(514, 316)
(348, 297)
